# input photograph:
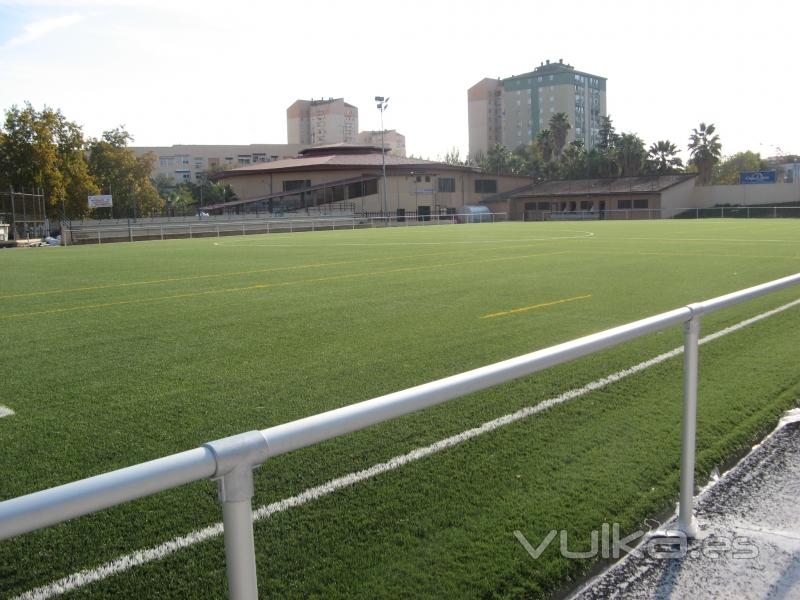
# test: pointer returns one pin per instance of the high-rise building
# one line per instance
(314, 122)
(512, 111)
(395, 142)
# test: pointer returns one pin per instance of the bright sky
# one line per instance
(224, 72)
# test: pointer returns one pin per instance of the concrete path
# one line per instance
(749, 541)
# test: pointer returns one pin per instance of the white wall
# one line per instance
(704, 196)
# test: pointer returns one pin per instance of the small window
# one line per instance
(543, 205)
(485, 186)
(586, 205)
(427, 178)
(640, 203)
(447, 184)
(291, 185)
(624, 204)
(419, 178)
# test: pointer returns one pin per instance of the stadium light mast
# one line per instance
(381, 104)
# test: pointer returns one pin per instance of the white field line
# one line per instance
(127, 562)
(5, 411)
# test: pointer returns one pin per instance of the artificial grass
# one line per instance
(161, 346)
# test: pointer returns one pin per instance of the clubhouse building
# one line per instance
(349, 177)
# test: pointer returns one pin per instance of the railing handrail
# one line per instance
(231, 459)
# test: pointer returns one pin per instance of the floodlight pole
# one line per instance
(381, 104)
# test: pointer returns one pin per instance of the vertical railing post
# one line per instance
(691, 347)
(235, 493)
(236, 456)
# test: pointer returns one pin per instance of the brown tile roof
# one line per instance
(584, 187)
(339, 161)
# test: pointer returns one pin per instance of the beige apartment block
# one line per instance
(315, 122)
(190, 163)
(512, 111)
(485, 110)
(394, 141)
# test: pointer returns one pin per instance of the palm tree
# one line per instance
(630, 154)
(662, 158)
(497, 160)
(546, 144)
(705, 150)
(559, 125)
(573, 161)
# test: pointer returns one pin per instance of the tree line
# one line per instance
(44, 151)
(549, 157)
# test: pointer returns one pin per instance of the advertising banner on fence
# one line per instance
(758, 177)
(100, 201)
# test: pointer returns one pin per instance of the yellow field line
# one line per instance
(260, 286)
(534, 307)
(211, 276)
(250, 272)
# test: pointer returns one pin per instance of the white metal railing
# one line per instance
(644, 214)
(230, 461)
(144, 230)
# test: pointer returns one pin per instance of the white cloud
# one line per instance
(37, 29)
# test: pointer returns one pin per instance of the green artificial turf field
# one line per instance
(116, 354)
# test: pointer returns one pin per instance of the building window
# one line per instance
(485, 186)
(427, 178)
(296, 184)
(624, 204)
(586, 205)
(640, 203)
(447, 184)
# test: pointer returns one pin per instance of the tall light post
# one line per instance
(381, 104)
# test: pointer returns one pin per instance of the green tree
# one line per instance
(602, 158)
(705, 150)
(42, 149)
(663, 159)
(497, 161)
(179, 200)
(118, 171)
(546, 144)
(559, 125)
(727, 172)
(607, 136)
(629, 154)
(574, 163)
(454, 158)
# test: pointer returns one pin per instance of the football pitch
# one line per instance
(117, 354)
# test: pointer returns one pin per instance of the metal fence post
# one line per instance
(691, 344)
(236, 456)
(235, 493)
